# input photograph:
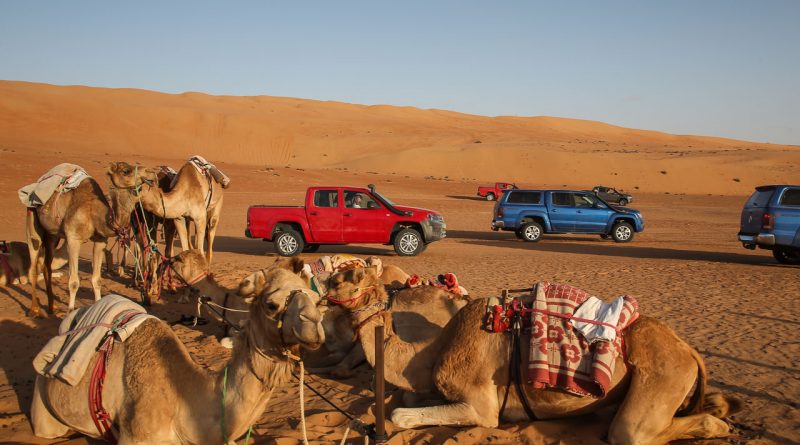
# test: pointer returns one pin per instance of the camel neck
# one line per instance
(252, 375)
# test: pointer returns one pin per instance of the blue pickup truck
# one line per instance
(532, 213)
(771, 220)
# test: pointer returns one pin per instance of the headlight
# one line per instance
(433, 217)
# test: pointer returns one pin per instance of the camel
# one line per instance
(19, 262)
(191, 265)
(418, 315)
(194, 197)
(155, 393)
(653, 387)
(78, 215)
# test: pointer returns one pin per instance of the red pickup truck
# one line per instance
(492, 193)
(344, 215)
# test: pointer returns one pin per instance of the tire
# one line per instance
(518, 233)
(408, 242)
(623, 202)
(622, 232)
(288, 243)
(531, 232)
(311, 248)
(490, 196)
(786, 255)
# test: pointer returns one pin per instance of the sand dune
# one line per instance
(275, 131)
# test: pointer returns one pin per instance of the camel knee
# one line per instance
(44, 424)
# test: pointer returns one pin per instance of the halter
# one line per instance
(123, 232)
(382, 307)
(351, 300)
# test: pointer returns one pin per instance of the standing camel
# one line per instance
(194, 197)
(78, 215)
(155, 393)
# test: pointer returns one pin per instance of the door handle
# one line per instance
(347, 214)
(313, 213)
(579, 211)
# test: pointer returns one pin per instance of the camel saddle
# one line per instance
(61, 178)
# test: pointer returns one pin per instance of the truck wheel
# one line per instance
(786, 255)
(311, 248)
(408, 242)
(623, 202)
(622, 232)
(531, 232)
(288, 243)
(490, 196)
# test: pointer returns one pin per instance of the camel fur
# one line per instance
(193, 197)
(77, 216)
(652, 386)
(418, 315)
(155, 393)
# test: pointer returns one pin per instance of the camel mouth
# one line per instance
(309, 342)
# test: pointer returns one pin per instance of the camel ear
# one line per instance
(250, 284)
(293, 265)
(355, 275)
(112, 168)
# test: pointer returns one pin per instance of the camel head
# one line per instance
(356, 288)
(190, 264)
(283, 309)
(127, 182)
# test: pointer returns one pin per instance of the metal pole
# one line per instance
(380, 408)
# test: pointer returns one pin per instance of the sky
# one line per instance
(706, 67)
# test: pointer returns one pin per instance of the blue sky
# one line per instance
(723, 68)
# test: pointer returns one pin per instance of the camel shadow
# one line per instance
(21, 342)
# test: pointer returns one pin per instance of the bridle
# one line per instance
(353, 299)
(123, 232)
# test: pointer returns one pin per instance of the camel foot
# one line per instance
(341, 372)
(36, 313)
(226, 343)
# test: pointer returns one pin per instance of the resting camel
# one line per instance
(194, 197)
(191, 265)
(418, 315)
(653, 390)
(78, 215)
(155, 393)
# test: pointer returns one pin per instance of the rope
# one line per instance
(222, 417)
(302, 403)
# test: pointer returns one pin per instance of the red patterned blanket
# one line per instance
(560, 357)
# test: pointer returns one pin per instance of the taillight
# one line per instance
(766, 221)
(500, 213)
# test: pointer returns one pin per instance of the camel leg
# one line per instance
(350, 361)
(44, 424)
(460, 413)
(200, 226)
(35, 246)
(210, 234)
(97, 266)
(183, 233)
(74, 247)
(169, 237)
(49, 251)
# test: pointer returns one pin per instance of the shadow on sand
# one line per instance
(595, 246)
(255, 247)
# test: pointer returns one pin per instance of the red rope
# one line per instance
(356, 298)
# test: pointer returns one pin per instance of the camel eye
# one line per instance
(126, 171)
(272, 306)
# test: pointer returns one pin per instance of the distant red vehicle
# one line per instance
(492, 193)
(344, 215)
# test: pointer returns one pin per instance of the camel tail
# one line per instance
(696, 403)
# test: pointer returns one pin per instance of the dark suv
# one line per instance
(609, 194)
(771, 220)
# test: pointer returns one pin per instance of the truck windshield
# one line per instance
(382, 198)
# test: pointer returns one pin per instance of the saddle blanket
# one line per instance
(207, 168)
(61, 178)
(561, 356)
(67, 355)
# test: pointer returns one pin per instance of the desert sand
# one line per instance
(739, 308)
